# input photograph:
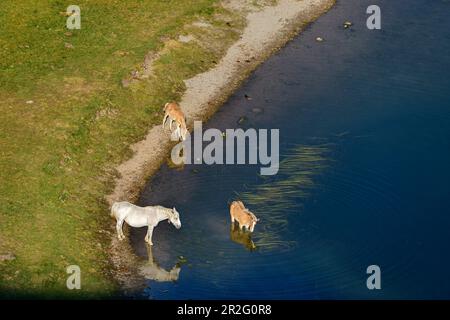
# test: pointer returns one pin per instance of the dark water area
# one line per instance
(364, 120)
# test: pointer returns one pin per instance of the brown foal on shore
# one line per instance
(173, 112)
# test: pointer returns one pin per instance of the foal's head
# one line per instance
(174, 218)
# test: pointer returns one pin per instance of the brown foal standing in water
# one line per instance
(242, 215)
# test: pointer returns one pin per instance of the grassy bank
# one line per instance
(66, 120)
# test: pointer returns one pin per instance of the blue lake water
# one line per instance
(364, 121)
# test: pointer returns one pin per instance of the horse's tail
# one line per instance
(240, 204)
(113, 209)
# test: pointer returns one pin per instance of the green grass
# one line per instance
(57, 154)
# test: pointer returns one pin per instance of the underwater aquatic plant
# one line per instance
(279, 197)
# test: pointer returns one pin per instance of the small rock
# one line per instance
(7, 257)
(319, 39)
(185, 39)
(242, 120)
(29, 102)
(257, 110)
(347, 24)
(135, 74)
(126, 83)
(201, 24)
(69, 45)
(121, 53)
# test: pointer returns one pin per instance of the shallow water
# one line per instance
(364, 121)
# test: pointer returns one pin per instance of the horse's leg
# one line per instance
(178, 130)
(174, 135)
(182, 134)
(148, 237)
(119, 230)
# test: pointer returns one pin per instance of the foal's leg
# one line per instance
(164, 120)
(121, 231)
(178, 130)
(171, 123)
(182, 134)
(177, 133)
(148, 237)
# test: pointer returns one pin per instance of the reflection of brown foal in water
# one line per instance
(152, 271)
(242, 237)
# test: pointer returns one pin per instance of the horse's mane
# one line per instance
(167, 210)
(251, 214)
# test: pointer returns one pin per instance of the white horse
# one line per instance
(142, 216)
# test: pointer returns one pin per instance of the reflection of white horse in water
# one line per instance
(142, 216)
(152, 271)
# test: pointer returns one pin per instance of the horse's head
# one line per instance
(165, 106)
(174, 218)
(252, 215)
